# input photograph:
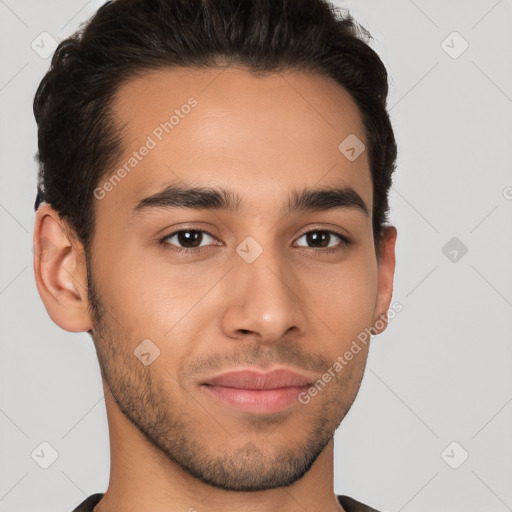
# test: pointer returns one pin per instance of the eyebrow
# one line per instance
(175, 196)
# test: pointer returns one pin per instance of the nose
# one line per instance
(264, 301)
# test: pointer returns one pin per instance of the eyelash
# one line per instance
(167, 246)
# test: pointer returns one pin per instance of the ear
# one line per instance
(386, 270)
(60, 271)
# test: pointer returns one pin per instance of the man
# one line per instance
(212, 211)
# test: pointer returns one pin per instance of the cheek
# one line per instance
(165, 303)
(344, 296)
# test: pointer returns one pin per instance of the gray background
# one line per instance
(440, 373)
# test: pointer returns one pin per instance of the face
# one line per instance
(261, 281)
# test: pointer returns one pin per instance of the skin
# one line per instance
(173, 447)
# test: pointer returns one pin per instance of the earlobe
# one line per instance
(60, 271)
(386, 269)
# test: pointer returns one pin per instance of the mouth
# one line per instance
(257, 392)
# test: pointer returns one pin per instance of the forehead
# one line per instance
(260, 135)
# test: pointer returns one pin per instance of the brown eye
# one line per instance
(187, 238)
(320, 239)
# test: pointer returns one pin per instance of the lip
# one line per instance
(254, 379)
(256, 391)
